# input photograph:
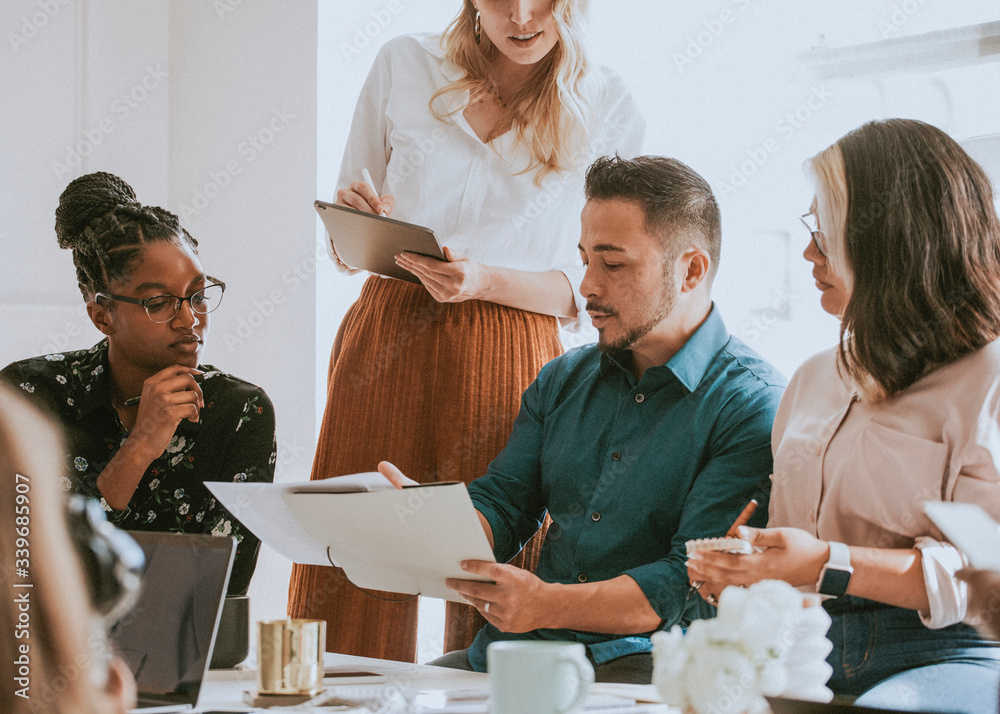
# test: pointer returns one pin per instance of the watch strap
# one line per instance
(836, 573)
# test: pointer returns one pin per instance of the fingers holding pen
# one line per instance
(362, 197)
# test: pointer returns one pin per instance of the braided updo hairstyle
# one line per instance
(101, 221)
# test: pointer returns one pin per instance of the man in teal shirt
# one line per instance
(658, 434)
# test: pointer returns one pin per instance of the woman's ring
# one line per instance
(486, 609)
(712, 600)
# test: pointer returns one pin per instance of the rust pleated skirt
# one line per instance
(433, 388)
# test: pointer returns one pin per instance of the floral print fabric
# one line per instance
(234, 441)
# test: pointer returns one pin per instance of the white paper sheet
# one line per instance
(405, 541)
(260, 507)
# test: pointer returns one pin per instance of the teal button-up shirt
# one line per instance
(631, 469)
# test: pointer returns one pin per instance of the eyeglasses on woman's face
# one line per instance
(811, 223)
(163, 308)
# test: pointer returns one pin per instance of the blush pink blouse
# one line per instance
(859, 473)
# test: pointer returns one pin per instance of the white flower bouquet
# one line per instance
(767, 640)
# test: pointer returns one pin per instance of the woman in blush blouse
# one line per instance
(906, 250)
(482, 134)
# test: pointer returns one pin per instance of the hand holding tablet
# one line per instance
(369, 242)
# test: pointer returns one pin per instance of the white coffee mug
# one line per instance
(537, 676)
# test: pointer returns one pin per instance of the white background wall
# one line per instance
(234, 114)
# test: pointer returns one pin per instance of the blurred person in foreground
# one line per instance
(51, 625)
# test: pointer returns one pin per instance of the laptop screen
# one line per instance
(167, 638)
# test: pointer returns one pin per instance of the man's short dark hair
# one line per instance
(675, 200)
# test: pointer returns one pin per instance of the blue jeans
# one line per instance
(886, 657)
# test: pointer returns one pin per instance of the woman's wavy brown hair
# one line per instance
(548, 113)
(921, 239)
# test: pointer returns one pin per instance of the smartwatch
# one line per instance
(836, 574)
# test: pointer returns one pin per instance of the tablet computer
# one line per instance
(370, 242)
(970, 529)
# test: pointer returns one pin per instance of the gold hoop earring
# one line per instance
(478, 28)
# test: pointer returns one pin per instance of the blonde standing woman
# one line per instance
(69, 668)
(482, 134)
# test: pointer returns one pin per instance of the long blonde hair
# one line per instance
(548, 112)
(66, 652)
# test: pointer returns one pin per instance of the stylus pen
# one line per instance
(371, 184)
(741, 520)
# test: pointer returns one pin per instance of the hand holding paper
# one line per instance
(407, 539)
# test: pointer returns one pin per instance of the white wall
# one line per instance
(69, 74)
(242, 177)
(208, 110)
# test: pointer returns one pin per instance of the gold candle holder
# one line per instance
(290, 656)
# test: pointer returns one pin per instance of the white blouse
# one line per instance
(859, 473)
(469, 193)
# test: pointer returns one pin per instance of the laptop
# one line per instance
(168, 637)
(795, 706)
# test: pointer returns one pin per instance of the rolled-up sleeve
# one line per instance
(946, 594)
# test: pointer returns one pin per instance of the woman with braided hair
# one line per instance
(146, 425)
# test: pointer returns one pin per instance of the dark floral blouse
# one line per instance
(233, 442)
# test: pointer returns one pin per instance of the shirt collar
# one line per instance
(691, 361)
(95, 382)
(433, 44)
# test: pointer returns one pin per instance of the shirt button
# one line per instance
(595, 516)
(640, 398)
(582, 577)
(617, 456)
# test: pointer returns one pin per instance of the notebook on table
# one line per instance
(168, 637)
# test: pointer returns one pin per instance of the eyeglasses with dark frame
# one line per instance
(163, 308)
(812, 225)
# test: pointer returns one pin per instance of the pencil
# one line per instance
(741, 520)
